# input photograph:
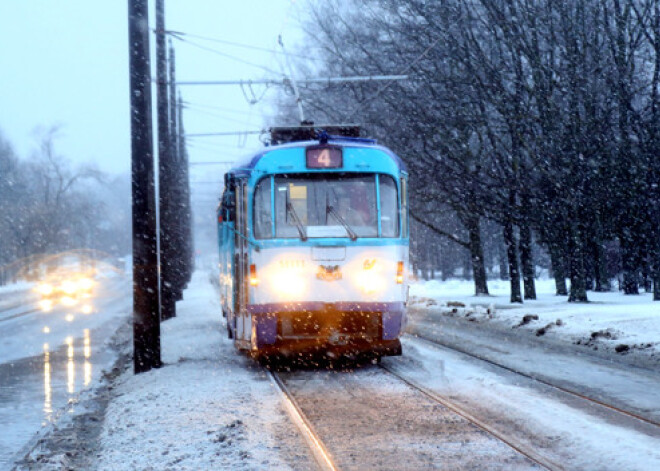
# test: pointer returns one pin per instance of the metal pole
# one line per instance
(293, 83)
(173, 105)
(166, 194)
(188, 216)
(178, 222)
(146, 318)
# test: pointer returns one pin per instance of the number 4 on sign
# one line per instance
(324, 158)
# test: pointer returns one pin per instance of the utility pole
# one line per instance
(166, 193)
(179, 281)
(188, 217)
(146, 315)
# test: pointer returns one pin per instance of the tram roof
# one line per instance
(248, 164)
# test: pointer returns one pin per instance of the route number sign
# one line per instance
(324, 157)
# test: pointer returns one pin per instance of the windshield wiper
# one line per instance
(330, 210)
(296, 219)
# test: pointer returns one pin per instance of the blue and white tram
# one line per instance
(313, 243)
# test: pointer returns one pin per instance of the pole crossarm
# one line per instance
(266, 131)
(286, 81)
(212, 163)
(228, 133)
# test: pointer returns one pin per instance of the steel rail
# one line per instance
(519, 447)
(320, 452)
(571, 392)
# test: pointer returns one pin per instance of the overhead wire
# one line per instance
(185, 38)
(215, 145)
(254, 100)
(235, 44)
(215, 108)
(220, 117)
(223, 54)
(387, 84)
(217, 149)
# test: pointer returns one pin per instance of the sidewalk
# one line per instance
(208, 407)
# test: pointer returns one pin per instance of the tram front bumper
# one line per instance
(316, 324)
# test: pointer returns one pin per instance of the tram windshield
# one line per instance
(326, 205)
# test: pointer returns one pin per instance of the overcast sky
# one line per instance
(65, 63)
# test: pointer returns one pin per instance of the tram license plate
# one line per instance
(329, 273)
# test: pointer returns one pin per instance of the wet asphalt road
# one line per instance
(35, 390)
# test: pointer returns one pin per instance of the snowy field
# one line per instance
(610, 321)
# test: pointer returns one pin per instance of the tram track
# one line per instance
(515, 444)
(441, 428)
(318, 449)
(571, 392)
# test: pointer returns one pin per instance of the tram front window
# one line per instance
(325, 206)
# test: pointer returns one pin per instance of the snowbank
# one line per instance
(610, 321)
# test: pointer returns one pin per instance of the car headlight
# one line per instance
(68, 287)
(68, 301)
(45, 289)
(85, 284)
(46, 305)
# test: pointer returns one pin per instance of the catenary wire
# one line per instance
(387, 84)
(235, 44)
(223, 54)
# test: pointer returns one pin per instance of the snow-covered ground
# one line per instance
(567, 432)
(625, 325)
(206, 408)
(209, 407)
(19, 286)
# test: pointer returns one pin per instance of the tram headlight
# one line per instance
(288, 284)
(370, 281)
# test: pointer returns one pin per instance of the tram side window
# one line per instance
(229, 213)
(389, 207)
(263, 222)
(404, 206)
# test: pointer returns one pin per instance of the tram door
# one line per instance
(241, 263)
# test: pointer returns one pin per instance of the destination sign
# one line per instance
(324, 157)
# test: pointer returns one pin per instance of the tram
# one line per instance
(313, 238)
